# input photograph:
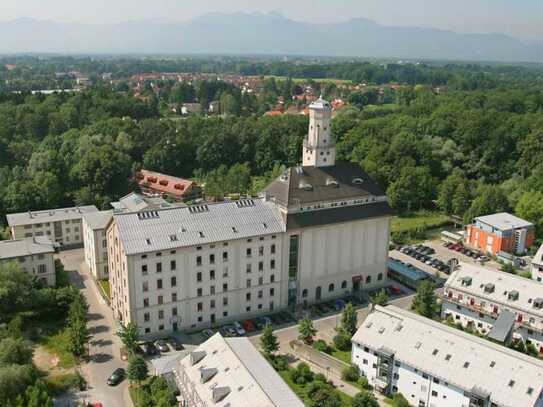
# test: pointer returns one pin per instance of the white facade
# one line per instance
(34, 255)
(62, 226)
(319, 148)
(95, 243)
(434, 365)
(536, 267)
(476, 296)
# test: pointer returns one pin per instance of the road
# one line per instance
(104, 344)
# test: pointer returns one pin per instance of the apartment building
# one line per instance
(500, 232)
(318, 232)
(95, 242)
(34, 255)
(501, 305)
(536, 267)
(434, 365)
(231, 372)
(62, 226)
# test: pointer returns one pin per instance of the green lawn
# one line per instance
(421, 219)
(59, 345)
(344, 356)
(104, 285)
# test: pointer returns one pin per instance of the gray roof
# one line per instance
(305, 185)
(49, 215)
(459, 358)
(504, 221)
(98, 220)
(134, 202)
(10, 249)
(197, 224)
(503, 326)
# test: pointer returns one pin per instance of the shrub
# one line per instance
(301, 374)
(279, 363)
(350, 374)
(319, 377)
(363, 382)
(322, 346)
(342, 341)
(399, 400)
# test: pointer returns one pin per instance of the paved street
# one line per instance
(104, 344)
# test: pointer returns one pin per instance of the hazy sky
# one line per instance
(521, 18)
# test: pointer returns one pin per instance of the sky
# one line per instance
(520, 18)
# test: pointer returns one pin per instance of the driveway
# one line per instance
(104, 346)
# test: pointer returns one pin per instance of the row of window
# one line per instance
(46, 224)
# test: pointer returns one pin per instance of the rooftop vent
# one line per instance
(198, 208)
(330, 182)
(148, 241)
(489, 288)
(173, 238)
(466, 281)
(306, 186)
(201, 234)
(265, 225)
(513, 295)
(284, 176)
(299, 170)
(245, 203)
(219, 393)
(234, 229)
(148, 215)
(358, 181)
(418, 345)
(197, 356)
(181, 187)
(538, 303)
(207, 374)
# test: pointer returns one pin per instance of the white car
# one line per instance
(239, 329)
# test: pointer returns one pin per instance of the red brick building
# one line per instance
(154, 183)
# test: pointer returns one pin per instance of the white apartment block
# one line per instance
(231, 372)
(62, 226)
(536, 267)
(504, 306)
(95, 242)
(318, 233)
(34, 255)
(434, 365)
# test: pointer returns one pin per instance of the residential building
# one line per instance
(191, 108)
(501, 305)
(231, 372)
(433, 364)
(500, 232)
(134, 202)
(95, 242)
(62, 226)
(157, 184)
(34, 255)
(537, 265)
(318, 232)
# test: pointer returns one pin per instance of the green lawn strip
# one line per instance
(344, 356)
(421, 219)
(58, 344)
(104, 286)
(389, 401)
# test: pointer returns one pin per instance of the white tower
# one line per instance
(319, 147)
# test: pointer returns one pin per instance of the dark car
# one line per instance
(149, 348)
(116, 377)
(175, 344)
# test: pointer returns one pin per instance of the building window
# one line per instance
(173, 281)
(146, 317)
(248, 267)
(272, 264)
(272, 249)
(304, 293)
(145, 286)
(272, 278)
(174, 311)
(260, 294)
(199, 292)
(260, 266)
(145, 302)
(160, 299)
(225, 314)
(224, 256)
(199, 277)
(200, 306)
(160, 314)
(248, 296)
(344, 284)
(211, 259)
(248, 252)
(293, 258)
(172, 265)
(260, 280)
(225, 301)
(379, 276)
(368, 279)
(159, 284)
(261, 251)
(272, 292)
(212, 290)
(159, 267)
(248, 309)
(198, 260)
(174, 297)
(147, 330)
(212, 304)
(144, 269)
(212, 274)
(331, 288)
(248, 283)
(225, 287)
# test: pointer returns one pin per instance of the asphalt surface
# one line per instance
(104, 346)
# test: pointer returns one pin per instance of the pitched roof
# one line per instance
(10, 249)
(242, 375)
(98, 220)
(459, 358)
(196, 224)
(164, 183)
(49, 215)
(308, 184)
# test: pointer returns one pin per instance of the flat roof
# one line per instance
(194, 225)
(504, 283)
(503, 326)
(242, 373)
(10, 249)
(406, 270)
(467, 361)
(504, 221)
(48, 215)
(98, 220)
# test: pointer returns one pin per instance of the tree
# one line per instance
(349, 320)
(322, 394)
(364, 399)
(129, 335)
(15, 290)
(269, 341)
(425, 302)
(530, 207)
(35, 395)
(78, 336)
(14, 351)
(490, 199)
(306, 330)
(301, 374)
(381, 298)
(414, 189)
(137, 369)
(342, 340)
(350, 374)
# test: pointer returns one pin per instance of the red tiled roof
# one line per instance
(165, 184)
(274, 113)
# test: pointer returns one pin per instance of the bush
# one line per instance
(321, 346)
(342, 341)
(350, 374)
(363, 382)
(301, 374)
(279, 363)
(319, 377)
(399, 400)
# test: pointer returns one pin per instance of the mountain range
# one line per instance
(269, 34)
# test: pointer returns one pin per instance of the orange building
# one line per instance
(500, 232)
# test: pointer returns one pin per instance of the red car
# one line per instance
(248, 325)
(395, 290)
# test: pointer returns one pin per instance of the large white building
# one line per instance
(536, 267)
(504, 306)
(231, 372)
(320, 231)
(95, 242)
(434, 365)
(34, 255)
(62, 226)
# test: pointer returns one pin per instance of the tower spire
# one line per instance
(319, 149)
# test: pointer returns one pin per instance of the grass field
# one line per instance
(387, 106)
(421, 219)
(344, 356)
(58, 344)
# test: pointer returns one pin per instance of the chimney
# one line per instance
(30, 214)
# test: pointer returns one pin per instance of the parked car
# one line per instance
(149, 348)
(393, 290)
(161, 345)
(116, 377)
(339, 305)
(228, 331)
(208, 333)
(175, 344)
(239, 329)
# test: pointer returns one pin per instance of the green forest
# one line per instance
(475, 148)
